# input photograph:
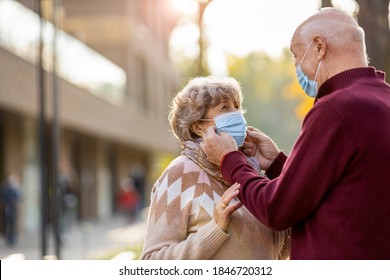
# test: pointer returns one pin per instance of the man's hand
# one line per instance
(259, 145)
(216, 146)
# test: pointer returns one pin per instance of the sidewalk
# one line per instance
(85, 241)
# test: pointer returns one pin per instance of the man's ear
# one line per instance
(321, 47)
(196, 128)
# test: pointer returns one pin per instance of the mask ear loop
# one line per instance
(318, 68)
(307, 50)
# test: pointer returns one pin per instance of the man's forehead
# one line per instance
(295, 41)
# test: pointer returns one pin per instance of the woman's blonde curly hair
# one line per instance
(196, 98)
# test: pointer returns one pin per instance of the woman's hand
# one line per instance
(223, 209)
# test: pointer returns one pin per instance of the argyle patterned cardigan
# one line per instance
(181, 224)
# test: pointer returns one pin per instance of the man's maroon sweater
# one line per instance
(334, 188)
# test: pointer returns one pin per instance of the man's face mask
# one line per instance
(233, 123)
(309, 86)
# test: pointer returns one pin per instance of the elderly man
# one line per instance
(334, 188)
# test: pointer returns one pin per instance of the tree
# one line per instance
(326, 3)
(373, 17)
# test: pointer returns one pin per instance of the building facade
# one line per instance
(114, 81)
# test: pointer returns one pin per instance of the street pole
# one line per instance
(42, 135)
(57, 192)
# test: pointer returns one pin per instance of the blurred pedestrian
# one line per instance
(333, 190)
(137, 174)
(69, 203)
(10, 196)
(193, 213)
(128, 200)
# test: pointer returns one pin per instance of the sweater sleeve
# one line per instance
(309, 172)
(276, 166)
(168, 231)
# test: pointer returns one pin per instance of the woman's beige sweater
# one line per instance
(181, 224)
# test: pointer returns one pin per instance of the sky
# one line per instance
(243, 26)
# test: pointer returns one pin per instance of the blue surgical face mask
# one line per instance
(233, 123)
(309, 86)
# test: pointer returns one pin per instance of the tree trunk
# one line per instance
(326, 3)
(373, 18)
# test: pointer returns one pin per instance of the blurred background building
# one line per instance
(113, 82)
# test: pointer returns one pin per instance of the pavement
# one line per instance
(108, 239)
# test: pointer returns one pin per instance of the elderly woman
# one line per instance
(193, 212)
